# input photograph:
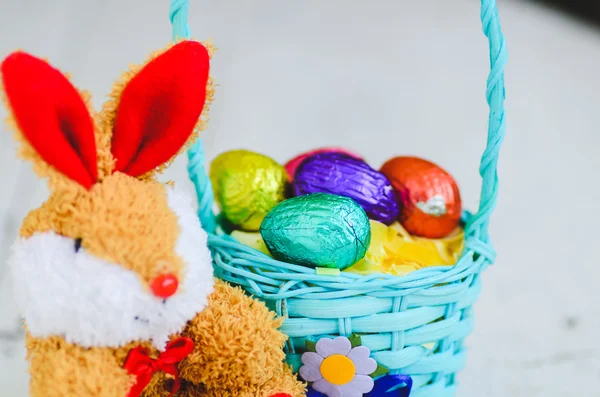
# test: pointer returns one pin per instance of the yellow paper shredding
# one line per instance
(394, 251)
(251, 239)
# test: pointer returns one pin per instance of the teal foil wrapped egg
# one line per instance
(317, 230)
(247, 186)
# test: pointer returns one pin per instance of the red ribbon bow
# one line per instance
(140, 364)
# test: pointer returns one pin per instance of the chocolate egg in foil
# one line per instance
(429, 196)
(320, 229)
(293, 164)
(338, 173)
(247, 186)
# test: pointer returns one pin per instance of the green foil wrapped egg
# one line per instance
(320, 229)
(247, 186)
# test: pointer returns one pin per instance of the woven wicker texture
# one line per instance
(414, 324)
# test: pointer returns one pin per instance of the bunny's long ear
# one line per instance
(52, 117)
(155, 113)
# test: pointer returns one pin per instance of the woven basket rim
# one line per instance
(270, 278)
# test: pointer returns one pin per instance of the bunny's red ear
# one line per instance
(52, 116)
(159, 108)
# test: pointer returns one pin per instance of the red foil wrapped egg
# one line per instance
(293, 164)
(428, 195)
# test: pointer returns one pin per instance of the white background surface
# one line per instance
(383, 78)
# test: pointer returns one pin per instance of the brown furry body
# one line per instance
(126, 221)
(238, 352)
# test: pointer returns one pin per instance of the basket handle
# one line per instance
(178, 14)
(495, 94)
(478, 224)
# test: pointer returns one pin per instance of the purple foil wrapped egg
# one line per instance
(338, 173)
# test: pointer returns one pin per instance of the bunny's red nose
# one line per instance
(164, 285)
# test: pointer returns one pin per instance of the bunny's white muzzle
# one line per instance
(92, 302)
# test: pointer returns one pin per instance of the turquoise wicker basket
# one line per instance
(413, 325)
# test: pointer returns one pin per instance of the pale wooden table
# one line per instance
(383, 78)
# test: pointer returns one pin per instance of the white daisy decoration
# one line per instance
(338, 370)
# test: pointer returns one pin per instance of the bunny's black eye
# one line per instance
(77, 244)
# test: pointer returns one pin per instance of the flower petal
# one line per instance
(347, 392)
(363, 363)
(327, 388)
(310, 358)
(310, 373)
(327, 347)
(360, 384)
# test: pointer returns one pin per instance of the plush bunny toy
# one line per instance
(112, 272)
